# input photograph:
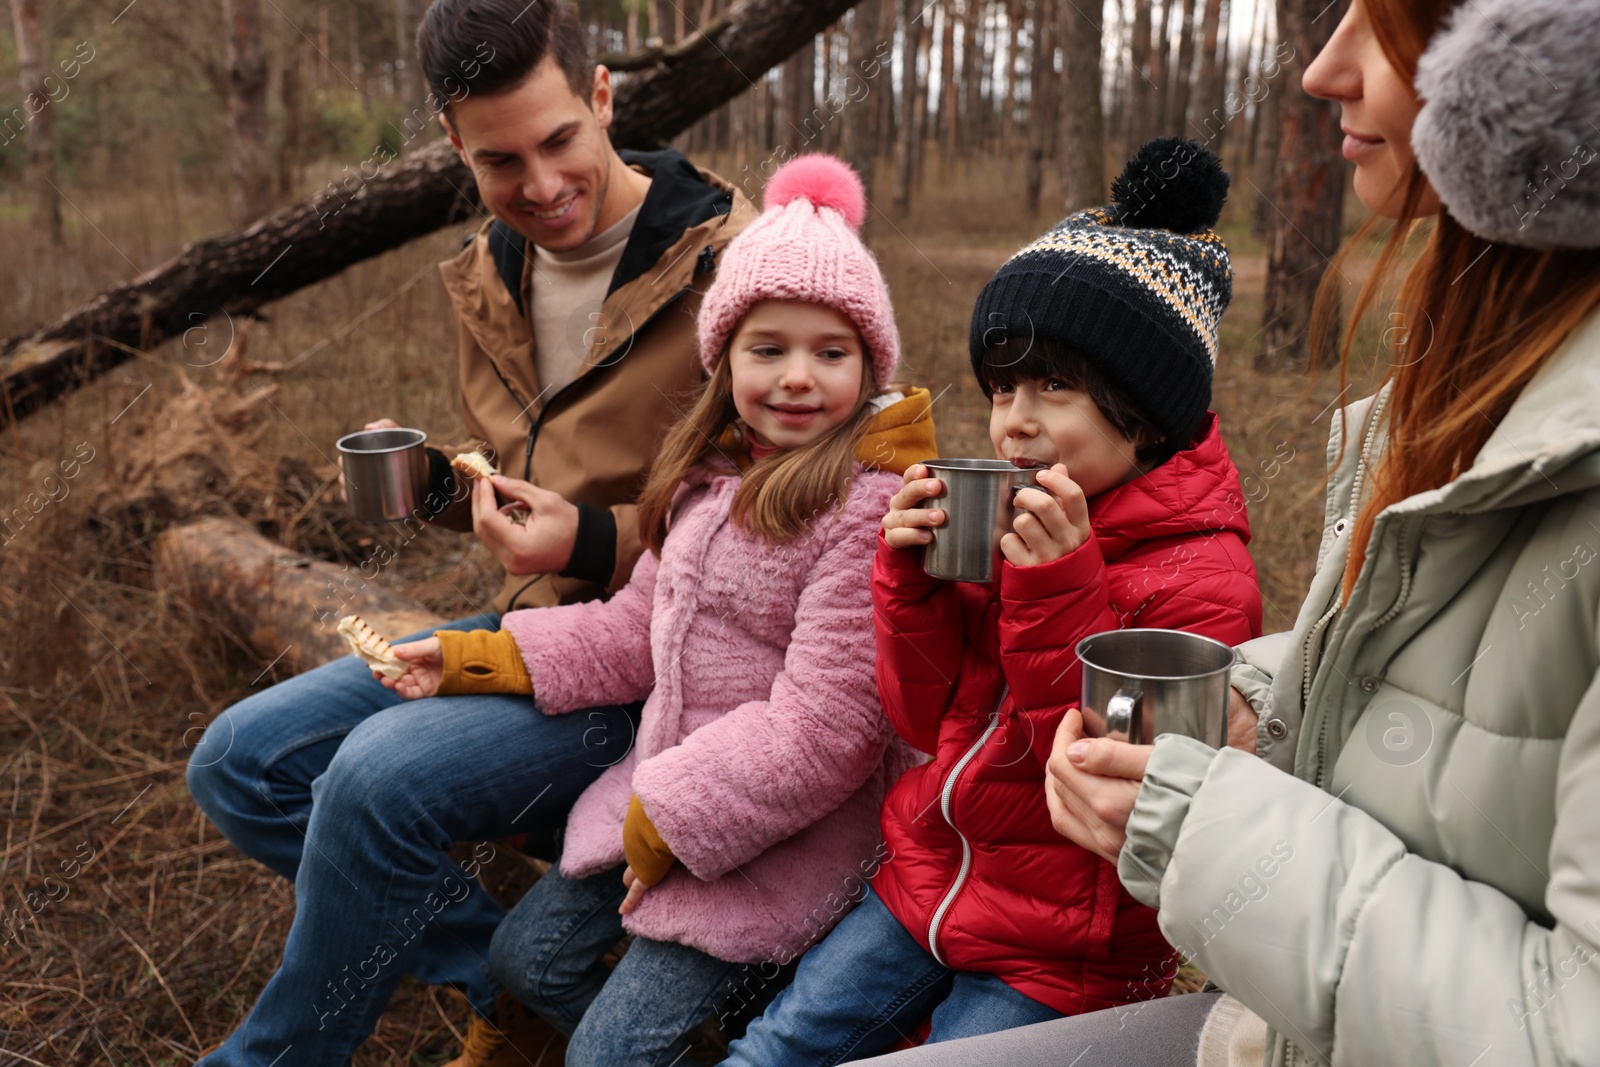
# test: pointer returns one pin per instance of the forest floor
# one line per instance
(155, 934)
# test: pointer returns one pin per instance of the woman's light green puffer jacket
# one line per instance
(1410, 873)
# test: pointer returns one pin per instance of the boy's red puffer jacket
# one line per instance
(977, 873)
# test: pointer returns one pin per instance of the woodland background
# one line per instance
(130, 931)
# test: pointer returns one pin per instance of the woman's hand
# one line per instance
(425, 666)
(907, 525)
(636, 891)
(1091, 784)
(1054, 520)
(1242, 722)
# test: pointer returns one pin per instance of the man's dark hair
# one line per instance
(1019, 359)
(492, 46)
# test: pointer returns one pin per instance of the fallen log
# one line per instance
(233, 275)
(284, 605)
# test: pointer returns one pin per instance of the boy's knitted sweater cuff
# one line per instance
(482, 661)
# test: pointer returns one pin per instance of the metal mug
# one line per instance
(977, 504)
(385, 473)
(1140, 683)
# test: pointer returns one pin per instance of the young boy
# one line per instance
(1095, 345)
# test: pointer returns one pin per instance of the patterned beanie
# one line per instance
(805, 246)
(1136, 288)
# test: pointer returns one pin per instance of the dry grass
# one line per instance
(156, 946)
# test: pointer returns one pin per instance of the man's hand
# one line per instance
(636, 891)
(1054, 520)
(906, 524)
(1091, 784)
(542, 542)
(425, 669)
(381, 424)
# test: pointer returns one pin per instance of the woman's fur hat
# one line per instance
(1509, 132)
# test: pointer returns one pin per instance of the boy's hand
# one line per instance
(907, 525)
(1054, 520)
(426, 667)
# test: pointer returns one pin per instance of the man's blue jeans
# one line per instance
(356, 795)
(865, 986)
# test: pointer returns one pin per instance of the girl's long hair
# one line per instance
(781, 493)
(1476, 320)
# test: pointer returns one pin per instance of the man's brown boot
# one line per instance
(515, 1037)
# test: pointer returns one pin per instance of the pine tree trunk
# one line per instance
(1161, 72)
(1083, 148)
(801, 125)
(407, 67)
(1208, 118)
(949, 92)
(883, 85)
(858, 134)
(1308, 195)
(1183, 75)
(1041, 85)
(40, 164)
(1140, 81)
(247, 110)
(292, 99)
(905, 148)
(1008, 118)
(972, 72)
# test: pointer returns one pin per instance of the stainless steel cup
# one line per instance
(1140, 683)
(978, 511)
(385, 473)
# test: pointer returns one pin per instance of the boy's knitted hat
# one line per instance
(1136, 287)
(805, 246)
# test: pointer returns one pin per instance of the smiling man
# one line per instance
(575, 311)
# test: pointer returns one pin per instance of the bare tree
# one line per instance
(407, 68)
(1308, 195)
(1183, 74)
(949, 110)
(1041, 88)
(800, 124)
(1209, 94)
(858, 142)
(37, 105)
(1008, 117)
(1140, 81)
(905, 154)
(1083, 136)
(247, 110)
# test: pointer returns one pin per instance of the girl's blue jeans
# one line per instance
(549, 953)
(356, 795)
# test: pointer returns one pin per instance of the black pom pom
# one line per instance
(1171, 184)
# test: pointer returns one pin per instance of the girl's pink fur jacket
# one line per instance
(763, 754)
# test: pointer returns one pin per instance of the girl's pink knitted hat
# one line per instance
(805, 246)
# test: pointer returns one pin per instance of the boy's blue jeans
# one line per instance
(549, 953)
(867, 985)
(355, 794)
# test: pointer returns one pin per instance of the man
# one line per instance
(575, 312)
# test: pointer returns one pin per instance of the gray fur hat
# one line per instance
(1511, 115)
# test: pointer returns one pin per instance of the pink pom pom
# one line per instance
(825, 181)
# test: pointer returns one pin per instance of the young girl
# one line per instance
(749, 800)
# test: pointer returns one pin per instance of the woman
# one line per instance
(1409, 868)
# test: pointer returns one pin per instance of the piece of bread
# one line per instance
(473, 465)
(370, 648)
